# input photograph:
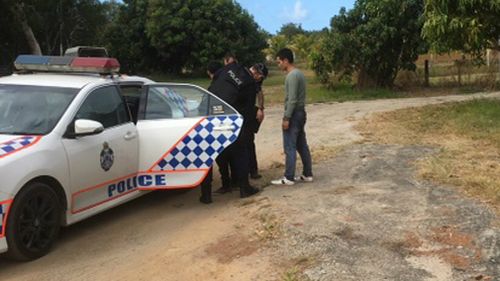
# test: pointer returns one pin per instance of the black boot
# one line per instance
(248, 190)
(223, 189)
(205, 199)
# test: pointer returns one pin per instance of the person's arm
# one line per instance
(293, 86)
(260, 105)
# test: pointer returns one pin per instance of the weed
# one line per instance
(291, 275)
(269, 226)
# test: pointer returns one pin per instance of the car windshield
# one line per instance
(32, 110)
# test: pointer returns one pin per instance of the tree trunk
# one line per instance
(20, 16)
(364, 80)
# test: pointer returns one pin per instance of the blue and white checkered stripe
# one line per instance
(202, 145)
(16, 144)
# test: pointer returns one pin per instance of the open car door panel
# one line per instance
(182, 129)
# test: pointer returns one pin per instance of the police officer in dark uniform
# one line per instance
(235, 85)
(206, 185)
(223, 160)
(259, 72)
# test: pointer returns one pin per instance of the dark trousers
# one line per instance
(240, 159)
(226, 169)
(235, 159)
(206, 187)
(252, 161)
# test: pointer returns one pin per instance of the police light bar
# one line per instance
(67, 64)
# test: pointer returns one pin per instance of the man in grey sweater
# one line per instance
(294, 120)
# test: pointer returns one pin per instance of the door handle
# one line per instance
(224, 128)
(129, 135)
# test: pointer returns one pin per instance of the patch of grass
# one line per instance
(468, 134)
(295, 270)
(291, 275)
(322, 153)
(346, 92)
(270, 227)
(477, 120)
(317, 93)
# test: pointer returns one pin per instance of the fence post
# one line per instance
(426, 73)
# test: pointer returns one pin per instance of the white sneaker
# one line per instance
(283, 181)
(303, 178)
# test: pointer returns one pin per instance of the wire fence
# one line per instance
(455, 69)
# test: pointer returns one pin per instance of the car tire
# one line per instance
(33, 223)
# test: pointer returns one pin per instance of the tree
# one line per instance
(190, 33)
(17, 9)
(470, 26)
(125, 38)
(60, 24)
(289, 30)
(51, 26)
(275, 44)
(375, 40)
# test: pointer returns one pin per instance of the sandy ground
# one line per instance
(364, 218)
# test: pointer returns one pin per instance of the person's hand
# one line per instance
(285, 125)
(260, 115)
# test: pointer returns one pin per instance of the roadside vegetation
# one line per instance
(347, 91)
(467, 133)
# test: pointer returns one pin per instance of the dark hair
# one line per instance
(285, 53)
(213, 66)
(229, 55)
(262, 69)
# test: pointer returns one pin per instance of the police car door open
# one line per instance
(182, 129)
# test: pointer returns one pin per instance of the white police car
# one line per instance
(75, 144)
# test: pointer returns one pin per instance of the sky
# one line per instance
(311, 14)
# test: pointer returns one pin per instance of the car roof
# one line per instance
(67, 80)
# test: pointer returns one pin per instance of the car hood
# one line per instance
(6, 138)
(10, 144)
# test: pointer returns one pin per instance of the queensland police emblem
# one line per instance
(107, 157)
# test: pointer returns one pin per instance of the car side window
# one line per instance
(132, 96)
(106, 106)
(180, 101)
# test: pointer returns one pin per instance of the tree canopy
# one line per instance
(188, 34)
(145, 35)
(125, 38)
(375, 40)
(470, 26)
(290, 30)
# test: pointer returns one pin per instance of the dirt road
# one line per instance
(365, 217)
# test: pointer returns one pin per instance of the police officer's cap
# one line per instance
(262, 69)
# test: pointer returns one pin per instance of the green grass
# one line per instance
(316, 93)
(478, 119)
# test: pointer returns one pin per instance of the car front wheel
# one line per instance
(33, 223)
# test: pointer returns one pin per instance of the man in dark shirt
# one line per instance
(235, 85)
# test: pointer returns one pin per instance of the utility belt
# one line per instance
(299, 108)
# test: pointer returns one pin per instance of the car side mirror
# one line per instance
(85, 127)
